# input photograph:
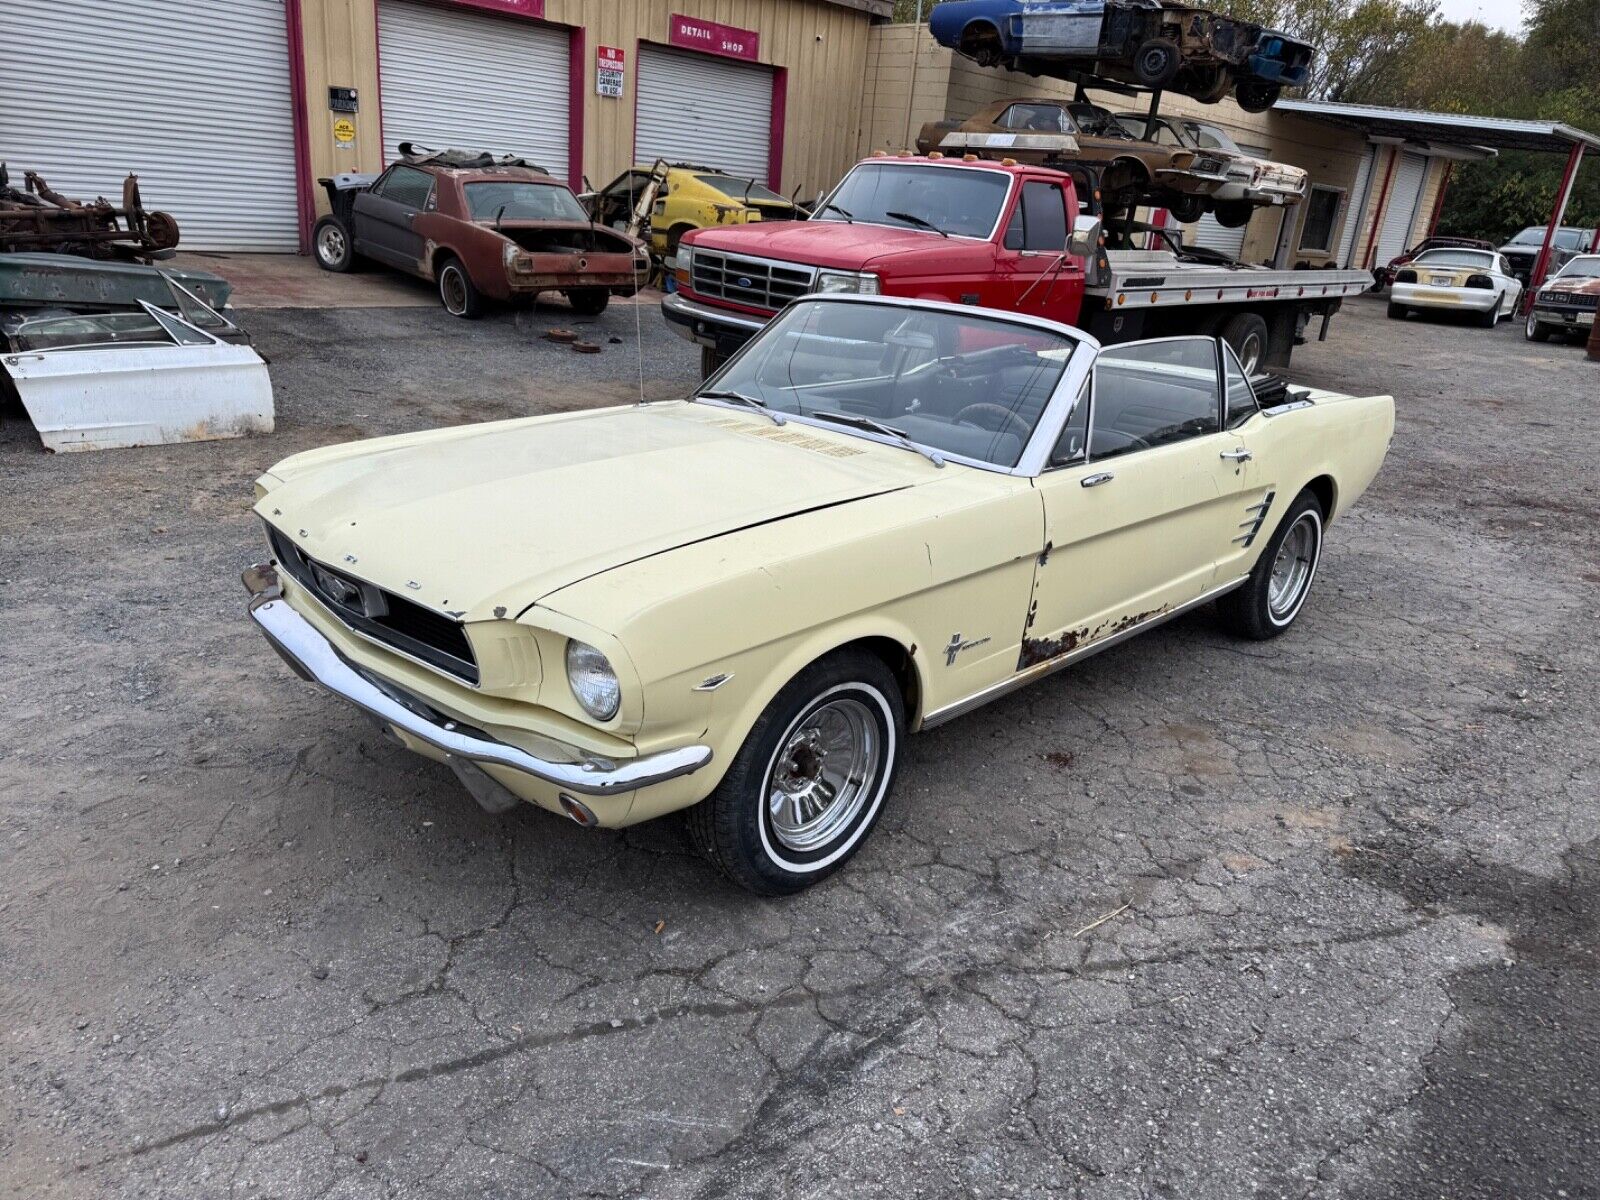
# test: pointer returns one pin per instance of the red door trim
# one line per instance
(1382, 210)
(305, 196)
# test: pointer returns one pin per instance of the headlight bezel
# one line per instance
(609, 684)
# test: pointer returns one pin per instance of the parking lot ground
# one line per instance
(1198, 918)
(295, 281)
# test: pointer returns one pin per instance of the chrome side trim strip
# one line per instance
(1022, 678)
(312, 657)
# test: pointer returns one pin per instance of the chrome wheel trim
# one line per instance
(330, 244)
(852, 808)
(1293, 568)
(453, 290)
(1531, 325)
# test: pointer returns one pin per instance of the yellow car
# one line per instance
(881, 514)
(689, 197)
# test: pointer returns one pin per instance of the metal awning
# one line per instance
(1498, 133)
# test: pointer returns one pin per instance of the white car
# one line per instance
(1476, 281)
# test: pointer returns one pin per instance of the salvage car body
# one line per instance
(516, 231)
(1250, 180)
(1201, 53)
(688, 197)
(1568, 301)
(710, 550)
(1131, 165)
(1478, 281)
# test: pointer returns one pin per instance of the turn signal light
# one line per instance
(1479, 281)
(1405, 277)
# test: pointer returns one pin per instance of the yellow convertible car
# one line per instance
(877, 516)
(690, 197)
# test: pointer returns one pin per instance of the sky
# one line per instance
(1496, 14)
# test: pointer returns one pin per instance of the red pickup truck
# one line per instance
(998, 234)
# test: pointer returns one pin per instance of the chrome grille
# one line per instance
(757, 282)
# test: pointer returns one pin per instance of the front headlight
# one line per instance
(593, 681)
(854, 282)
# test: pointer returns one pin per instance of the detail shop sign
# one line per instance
(712, 37)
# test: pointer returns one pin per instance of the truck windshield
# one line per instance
(1566, 239)
(523, 201)
(958, 200)
(957, 383)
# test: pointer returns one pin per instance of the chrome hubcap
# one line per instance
(823, 774)
(1250, 355)
(1291, 570)
(453, 290)
(330, 244)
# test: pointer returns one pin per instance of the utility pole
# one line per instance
(911, 91)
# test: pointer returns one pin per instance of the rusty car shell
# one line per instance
(1132, 168)
(36, 217)
(505, 259)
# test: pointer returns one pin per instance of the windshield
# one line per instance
(523, 201)
(1476, 259)
(962, 384)
(730, 186)
(1098, 122)
(1567, 239)
(1162, 134)
(1585, 267)
(957, 200)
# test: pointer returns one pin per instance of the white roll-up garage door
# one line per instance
(1355, 207)
(472, 82)
(1404, 193)
(706, 110)
(1208, 232)
(196, 103)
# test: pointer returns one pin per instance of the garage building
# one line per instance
(230, 114)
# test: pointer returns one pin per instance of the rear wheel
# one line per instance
(457, 292)
(588, 302)
(1256, 97)
(810, 780)
(1398, 312)
(1268, 601)
(1247, 334)
(333, 246)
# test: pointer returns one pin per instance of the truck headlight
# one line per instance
(593, 681)
(856, 282)
(683, 265)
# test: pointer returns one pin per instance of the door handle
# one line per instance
(1239, 455)
(1097, 480)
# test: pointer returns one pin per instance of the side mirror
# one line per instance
(1085, 239)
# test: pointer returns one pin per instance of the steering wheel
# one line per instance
(1009, 422)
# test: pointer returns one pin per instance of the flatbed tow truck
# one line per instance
(1000, 234)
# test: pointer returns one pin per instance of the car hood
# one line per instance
(838, 244)
(484, 520)
(1578, 284)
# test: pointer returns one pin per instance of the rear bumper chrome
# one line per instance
(313, 657)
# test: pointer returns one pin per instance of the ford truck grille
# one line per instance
(379, 615)
(757, 282)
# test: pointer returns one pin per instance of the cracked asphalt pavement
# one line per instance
(1197, 918)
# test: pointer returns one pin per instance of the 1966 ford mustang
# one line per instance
(880, 514)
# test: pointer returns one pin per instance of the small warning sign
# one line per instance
(344, 132)
(610, 70)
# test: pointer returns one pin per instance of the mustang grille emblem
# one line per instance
(955, 646)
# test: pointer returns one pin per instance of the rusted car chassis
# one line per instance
(36, 217)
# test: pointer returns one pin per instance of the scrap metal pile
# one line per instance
(36, 217)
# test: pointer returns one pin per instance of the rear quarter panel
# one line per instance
(1342, 437)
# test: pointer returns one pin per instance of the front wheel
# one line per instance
(710, 362)
(1268, 601)
(457, 292)
(810, 780)
(1536, 330)
(1233, 214)
(1187, 209)
(588, 302)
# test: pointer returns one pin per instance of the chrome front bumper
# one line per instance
(715, 327)
(312, 657)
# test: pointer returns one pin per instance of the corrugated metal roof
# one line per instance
(1499, 133)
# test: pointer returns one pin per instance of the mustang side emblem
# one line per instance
(955, 646)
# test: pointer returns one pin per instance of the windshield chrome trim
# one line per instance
(1005, 200)
(1035, 454)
